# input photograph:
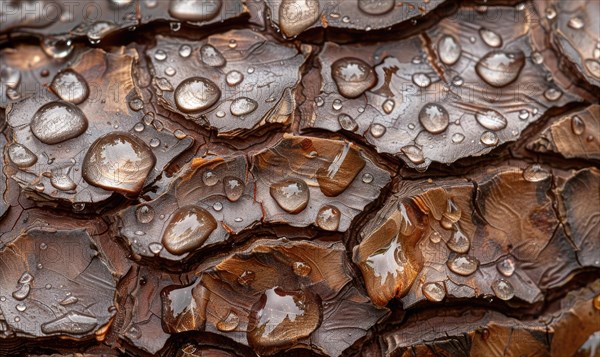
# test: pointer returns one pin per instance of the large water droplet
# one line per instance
(577, 125)
(490, 38)
(119, 162)
(229, 322)
(234, 78)
(233, 187)
(376, 7)
(488, 138)
(242, 106)
(535, 173)
(347, 123)
(211, 56)
(434, 118)
(328, 218)
(499, 68)
(463, 264)
(144, 214)
(449, 50)
(70, 86)
(188, 229)
(281, 318)
(491, 120)
(291, 195)
(503, 289)
(434, 292)
(414, 154)
(194, 10)
(21, 156)
(57, 48)
(352, 76)
(72, 322)
(458, 242)
(506, 266)
(295, 16)
(56, 122)
(196, 94)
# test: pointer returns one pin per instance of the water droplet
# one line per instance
(280, 318)
(376, 7)
(188, 229)
(2, 298)
(434, 292)
(185, 51)
(458, 81)
(352, 76)
(179, 134)
(367, 178)
(72, 322)
(449, 50)
(337, 104)
(593, 66)
(98, 30)
(170, 71)
(523, 114)
(377, 130)
(144, 214)
(48, 286)
(63, 182)
(488, 138)
(328, 218)
(576, 23)
(243, 106)
(347, 123)
(291, 195)
(217, 206)
(58, 121)
(21, 156)
(22, 292)
(160, 55)
(78, 206)
(388, 106)
(155, 248)
(301, 269)
(232, 43)
(506, 267)
(345, 19)
(537, 58)
(457, 138)
(550, 13)
(458, 242)
(434, 118)
(463, 264)
(229, 323)
(421, 79)
(414, 154)
(210, 178)
(154, 142)
(250, 70)
(490, 38)
(234, 78)
(552, 94)
(577, 125)
(211, 56)
(136, 104)
(196, 94)
(220, 114)
(498, 68)
(491, 120)
(57, 48)
(119, 162)
(535, 173)
(246, 278)
(233, 187)
(21, 307)
(296, 16)
(10, 77)
(193, 10)
(69, 300)
(503, 289)
(319, 101)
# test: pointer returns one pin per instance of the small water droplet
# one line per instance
(499, 68)
(576, 23)
(234, 78)
(232, 43)
(457, 138)
(57, 48)
(155, 248)
(210, 178)
(98, 30)
(243, 106)
(170, 71)
(434, 118)
(347, 123)
(577, 125)
(550, 13)
(458, 81)
(503, 289)
(21, 307)
(337, 104)
(458, 242)
(188, 229)
(490, 37)
(319, 101)
(217, 206)
(367, 178)
(434, 292)
(421, 80)
(229, 323)
(463, 264)
(144, 214)
(10, 77)
(449, 50)
(250, 70)
(48, 286)
(233, 187)
(160, 55)
(552, 94)
(185, 51)
(220, 114)
(69, 300)
(535, 173)
(328, 218)
(352, 76)
(58, 121)
(377, 130)
(488, 138)
(211, 56)
(136, 104)
(506, 266)
(196, 94)
(414, 154)
(388, 106)
(537, 57)
(22, 292)
(291, 195)
(593, 65)
(491, 120)
(63, 182)
(154, 143)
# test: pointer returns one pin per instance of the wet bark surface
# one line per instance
(300, 177)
